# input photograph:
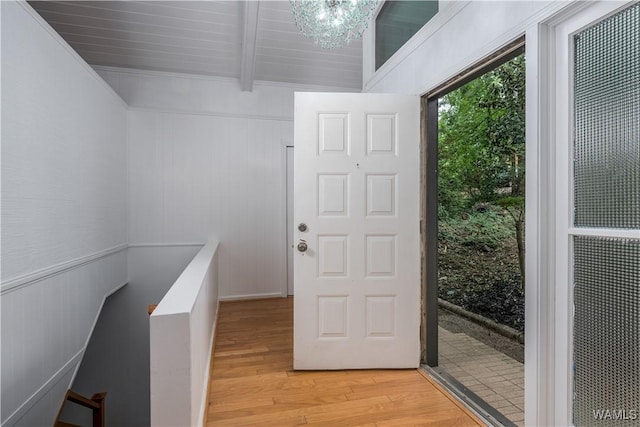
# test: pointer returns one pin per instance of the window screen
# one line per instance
(397, 22)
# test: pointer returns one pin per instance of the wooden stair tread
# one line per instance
(81, 400)
(95, 404)
(151, 308)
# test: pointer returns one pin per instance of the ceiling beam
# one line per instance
(248, 65)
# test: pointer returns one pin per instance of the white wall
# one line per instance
(194, 175)
(63, 212)
(206, 159)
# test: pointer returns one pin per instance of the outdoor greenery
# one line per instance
(481, 187)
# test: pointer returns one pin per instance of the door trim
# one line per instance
(430, 229)
(488, 63)
(288, 220)
(429, 190)
(429, 223)
(283, 187)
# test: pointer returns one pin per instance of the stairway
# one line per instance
(96, 404)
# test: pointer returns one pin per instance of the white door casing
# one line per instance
(290, 232)
(357, 287)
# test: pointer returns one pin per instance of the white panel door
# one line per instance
(357, 284)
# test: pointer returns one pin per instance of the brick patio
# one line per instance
(493, 376)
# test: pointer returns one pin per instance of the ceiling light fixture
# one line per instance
(332, 23)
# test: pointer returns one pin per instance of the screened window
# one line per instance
(397, 22)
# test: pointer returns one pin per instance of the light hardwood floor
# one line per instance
(253, 383)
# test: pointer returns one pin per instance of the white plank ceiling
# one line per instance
(248, 40)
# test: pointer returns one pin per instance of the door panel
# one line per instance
(356, 188)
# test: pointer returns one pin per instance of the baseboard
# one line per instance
(165, 245)
(251, 296)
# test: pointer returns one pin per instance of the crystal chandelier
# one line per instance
(332, 23)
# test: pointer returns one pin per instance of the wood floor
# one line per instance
(253, 384)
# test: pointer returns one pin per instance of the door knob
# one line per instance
(302, 246)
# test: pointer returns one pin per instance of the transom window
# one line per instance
(397, 22)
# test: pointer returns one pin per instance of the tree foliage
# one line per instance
(481, 139)
(482, 147)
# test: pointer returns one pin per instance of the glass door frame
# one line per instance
(565, 231)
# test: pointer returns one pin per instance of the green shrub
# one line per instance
(478, 264)
(476, 230)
